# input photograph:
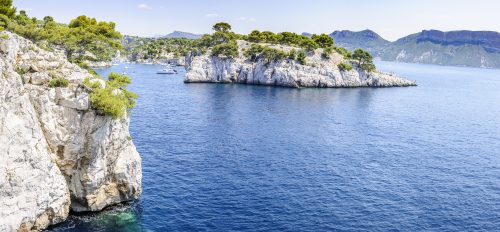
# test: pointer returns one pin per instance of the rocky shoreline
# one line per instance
(58, 154)
(317, 73)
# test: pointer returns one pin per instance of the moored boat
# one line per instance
(167, 70)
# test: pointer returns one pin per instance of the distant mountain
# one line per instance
(307, 34)
(181, 34)
(489, 40)
(367, 39)
(458, 48)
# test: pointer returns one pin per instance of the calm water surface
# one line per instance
(254, 158)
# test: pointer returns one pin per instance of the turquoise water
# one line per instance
(254, 158)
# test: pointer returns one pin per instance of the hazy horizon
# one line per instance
(389, 18)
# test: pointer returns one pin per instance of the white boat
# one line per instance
(167, 70)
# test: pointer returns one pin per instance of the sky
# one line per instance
(392, 19)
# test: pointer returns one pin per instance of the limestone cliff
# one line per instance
(457, 48)
(488, 40)
(317, 72)
(57, 153)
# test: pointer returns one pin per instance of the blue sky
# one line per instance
(392, 19)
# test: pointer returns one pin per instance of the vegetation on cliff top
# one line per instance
(83, 39)
(364, 59)
(112, 99)
(136, 48)
(223, 44)
(344, 67)
(257, 52)
(58, 82)
(7, 9)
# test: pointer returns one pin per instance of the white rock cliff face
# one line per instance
(317, 72)
(56, 152)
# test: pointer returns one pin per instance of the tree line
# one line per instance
(136, 48)
(83, 39)
(223, 44)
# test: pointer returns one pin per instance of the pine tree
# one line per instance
(7, 9)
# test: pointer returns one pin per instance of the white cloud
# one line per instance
(212, 15)
(144, 7)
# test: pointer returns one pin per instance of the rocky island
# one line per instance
(285, 59)
(64, 135)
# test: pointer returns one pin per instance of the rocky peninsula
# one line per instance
(317, 70)
(58, 152)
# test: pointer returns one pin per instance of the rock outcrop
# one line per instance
(57, 153)
(317, 72)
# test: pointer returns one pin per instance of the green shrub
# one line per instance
(292, 54)
(20, 71)
(226, 50)
(114, 99)
(254, 36)
(323, 40)
(368, 67)
(118, 80)
(301, 57)
(58, 82)
(309, 44)
(81, 36)
(205, 41)
(262, 37)
(222, 27)
(257, 52)
(291, 39)
(4, 22)
(344, 67)
(251, 52)
(85, 66)
(109, 102)
(91, 85)
(272, 54)
(365, 60)
(326, 53)
(342, 51)
(7, 9)
(288, 38)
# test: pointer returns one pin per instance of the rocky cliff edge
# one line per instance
(57, 153)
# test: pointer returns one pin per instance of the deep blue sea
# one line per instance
(234, 157)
